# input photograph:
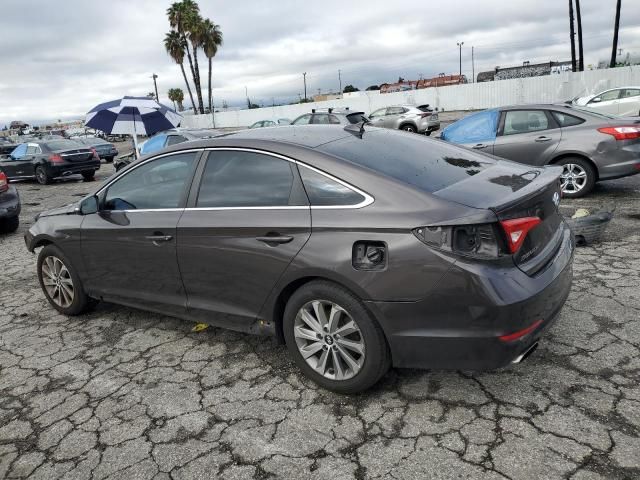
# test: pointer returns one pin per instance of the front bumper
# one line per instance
(458, 326)
(9, 203)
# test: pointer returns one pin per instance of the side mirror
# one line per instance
(596, 100)
(89, 205)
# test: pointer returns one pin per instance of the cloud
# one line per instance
(59, 59)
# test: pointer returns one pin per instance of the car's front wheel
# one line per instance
(578, 177)
(334, 339)
(408, 128)
(60, 282)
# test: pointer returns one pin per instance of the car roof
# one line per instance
(309, 136)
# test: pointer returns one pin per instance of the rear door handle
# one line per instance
(543, 139)
(158, 239)
(275, 239)
(479, 146)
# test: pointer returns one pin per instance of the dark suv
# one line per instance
(46, 160)
(330, 116)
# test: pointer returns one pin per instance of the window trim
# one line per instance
(552, 124)
(368, 199)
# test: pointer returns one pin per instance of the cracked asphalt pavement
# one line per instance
(121, 393)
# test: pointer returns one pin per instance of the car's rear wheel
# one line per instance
(108, 159)
(41, 176)
(334, 339)
(88, 176)
(578, 177)
(408, 128)
(428, 133)
(60, 282)
(9, 225)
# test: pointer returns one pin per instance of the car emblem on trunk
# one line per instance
(556, 199)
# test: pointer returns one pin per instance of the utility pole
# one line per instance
(340, 80)
(155, 85)
(473, 67)
(304, 78)
(572, 35)
(460, 47)
(616, 27)
(580, 50)
(246, 94)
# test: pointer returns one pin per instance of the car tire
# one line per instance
(108, 159)
(9, 225)
(89, 176)
(428, 133)
(408, 128)
(578, 177)
(41, 176)
(63, 288)
(354, 326)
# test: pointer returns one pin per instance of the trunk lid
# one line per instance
(76, 155)
(513, 190)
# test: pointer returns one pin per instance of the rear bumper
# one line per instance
(459, 325)
(73, 168)
(619, 170)
(9, 203)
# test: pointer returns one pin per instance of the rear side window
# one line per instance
(173, 139)
(323, 191)
(479, 127)
(566, 120)
(303, 120)
(525, 121)
(245, 179)
(630, 92)
(413, 159)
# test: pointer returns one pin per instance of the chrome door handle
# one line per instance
(479, 146)
(158, 239)
(543, 139)
(275, 239)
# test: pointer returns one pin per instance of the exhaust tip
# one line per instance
(523, 356)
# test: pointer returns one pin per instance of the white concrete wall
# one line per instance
(472, 96)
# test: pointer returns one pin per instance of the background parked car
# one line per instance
(622, 101)
(406, 117)
(589, 146)
(330, 116)
(9, 205)
(106, 150)
(271, 123)
(6, 148)
(45, 160)
(165, 139)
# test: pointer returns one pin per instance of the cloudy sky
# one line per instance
(60, 58)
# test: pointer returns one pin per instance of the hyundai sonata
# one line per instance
(360, 248)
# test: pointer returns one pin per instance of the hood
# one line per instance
(69, 209)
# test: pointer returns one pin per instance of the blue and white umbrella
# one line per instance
(132, 116)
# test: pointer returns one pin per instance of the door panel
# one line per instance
(527, 137)
(608, 103)
(127, 261)
(227, 269)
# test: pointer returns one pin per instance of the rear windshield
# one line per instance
(429, 165)
(62, 144)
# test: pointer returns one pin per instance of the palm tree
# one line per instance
(212, 40)
(176, 46)
(180, 15)
(572, 36)
(616, 28)
(195, 34)
(176, 95)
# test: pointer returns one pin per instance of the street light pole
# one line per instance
(460, 47)
(340, 80)
(155, 85)
(304, 77)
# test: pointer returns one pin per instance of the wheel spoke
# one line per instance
(349, 360)
(301, 332)
(310, 349)
(347, 329)
(321, 366)
(337, 364)
(307, 318)
(357, 347)
(334, 317)
(318, 308)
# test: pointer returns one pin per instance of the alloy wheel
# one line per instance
(573, 178)
(57, 282)
(41, 176)
(329, 340)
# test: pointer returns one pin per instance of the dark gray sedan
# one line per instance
(360, 248)
(589, 146)
(105, 150)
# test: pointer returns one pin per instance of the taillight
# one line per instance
(55, 158)
(512, 337)
(622, 133)
(95, 153)
(4, 182)
(479, 241)
(426, 114)
(517, 229)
